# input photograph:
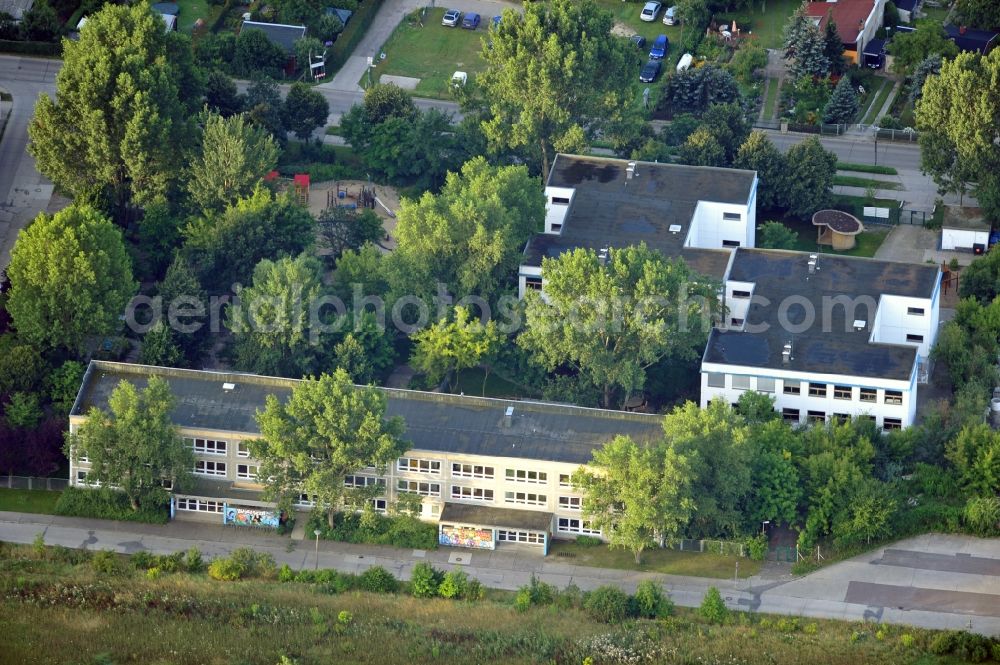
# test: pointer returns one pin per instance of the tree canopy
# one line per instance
(71, 278)
(553, 77)
(909, 49)
(449, 346)
(843, 104)
(136, 446)
(122, 113)
(326, 429)
(759, 154)
(304, 110)
(811, 169)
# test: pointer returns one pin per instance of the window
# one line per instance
(380, 505)
(867, 417)
(471, 493)
(565, 480)
(81, 479)
(869, 395)
(560, 200)
(915, 311)
(522, 476)
(419, 487)
(842, 417)
(556, 228)
(732, 216)
(197, 505)
(816, 416)
(765, 384)
(736, 323)
(207, 446)
(817, 390)
(919, 339)
(894, 397)
(210, 468)
(741, 294)
(363, 481)
(305, 501)
(167, 484)
(889, 424)
(472, 471)
(790, 415)
(741, 382)
(716, 380)
(843, 392)
(242, 449)
(248, 471)
(525, 498)
(730, 243)
(533, 283)
(792, 388)
(573, 525)
(570, 502)
(508, 536)
(415, 465)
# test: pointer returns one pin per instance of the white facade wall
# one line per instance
(556, 212)
(952, 239)
(523, 276)
(711, 230)
(872, 24)
(735, 376)
(898, 316)
(737, 307)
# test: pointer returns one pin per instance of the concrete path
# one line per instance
(899, 585)
(882, 112)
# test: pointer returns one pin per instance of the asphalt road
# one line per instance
(903, 156)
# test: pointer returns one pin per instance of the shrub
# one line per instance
(345, 618)
(377, 580)
(105, 562)
(171, 563)
(607, 603)
(757, 547)
(982, 514)
(108, 504)
(907, 640)
(38, 545)
(153, 573)
(226, 570)
(713, 609)
(255, 564)
(143, 560)
(425, 580)
(539, 592)
(588, 541)
(943, 643)
(454, 585)
(651, 602)
(286, 574)
(522, 601)
(193, 561)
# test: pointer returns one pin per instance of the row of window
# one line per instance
(417, 465)
(795, 416)
(531, 537)
(573, 525)
(216, 446)
(791, 387)
(199, 505)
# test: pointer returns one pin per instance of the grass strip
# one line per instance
(866, 168)
(854, 181)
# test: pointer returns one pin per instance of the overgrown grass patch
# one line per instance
(29, 501)
(470, 382)
(866, 168)
(875, 110)
(766, 26)
(854, 181)
(656, 560)
(771, 100)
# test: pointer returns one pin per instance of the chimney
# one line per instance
(812, 263)
(603, 255)
(508, 416)
(786, 353)
(630, 171)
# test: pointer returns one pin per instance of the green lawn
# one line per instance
(670, 562)
(192, 10)
(854, 181)
(771, 101)
(29, 501)
(627, 14)
(470, 382)
(866, 168)
(433, 53)
(876, 108)
(767, 25)
(868, 241)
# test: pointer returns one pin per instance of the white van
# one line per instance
(670, 16)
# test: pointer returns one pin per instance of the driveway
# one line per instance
(388, 17)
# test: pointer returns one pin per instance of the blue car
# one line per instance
(471, 21)
(496, 20)
(660, 46)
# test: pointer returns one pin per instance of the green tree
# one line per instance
(810, 95)
(70, 278)
(805, 46)
(23, 411)
(759, 154)
(975, 454)
(181, 299)
(342, 229)
(609, 321)
(833, 47)
(63, 384)
(40, 23)
(383, 101)
(362, 270)
(263, 104)
(233, 157)
(366, 352)
(255, 54)
(304, 110)
(136, 446)
(729, 124)
(929, 66)
(868, 514)
(775, 491)
(159, 348)
(444, 349)
(983, 14)
(554, 77)
(775, 235)
(714, 440)
(909, 49)
(327, 27)
(637, 495)
(21, 366)
(814, 168)
(470, 236)
(221, 94)
(224, 248)
(326, 429)
(119, 123)
(843, 104)
(702, 149)
(306, 48)
(981, 279)
(747, 60)
(694, 90)
(274, 332)
(958, 116)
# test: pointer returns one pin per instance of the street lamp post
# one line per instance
(763, 525)
(876, 128)
(316, 533)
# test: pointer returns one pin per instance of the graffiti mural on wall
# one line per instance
(250, 517)
(459, 536)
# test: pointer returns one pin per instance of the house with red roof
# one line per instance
(857, 22)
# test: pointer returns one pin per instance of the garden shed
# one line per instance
(964, 229)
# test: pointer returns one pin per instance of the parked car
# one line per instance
(650, 71)
(452, 18)
(649, 11)
(670, 16)
(638, 40)
(685, 62)
(660, 47)
(471, 21)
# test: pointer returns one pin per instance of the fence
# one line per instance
(908, 134)
(723, 547)
(33, 483)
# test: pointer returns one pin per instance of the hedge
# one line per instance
(31, 48)
(352, 34)
(107, 504)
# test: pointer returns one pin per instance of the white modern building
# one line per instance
(826, 336)
(699, 213)
(491, 472)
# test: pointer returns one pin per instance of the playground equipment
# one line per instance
(341, 196)
(301, 184)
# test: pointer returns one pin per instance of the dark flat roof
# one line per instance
(876, 46)
(906, 5)
(434, 422)
(971, 39)
(609, 209)
(467, 514)
(839, 349)
(283, 35)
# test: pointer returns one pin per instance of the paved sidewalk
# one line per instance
(888, 573)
